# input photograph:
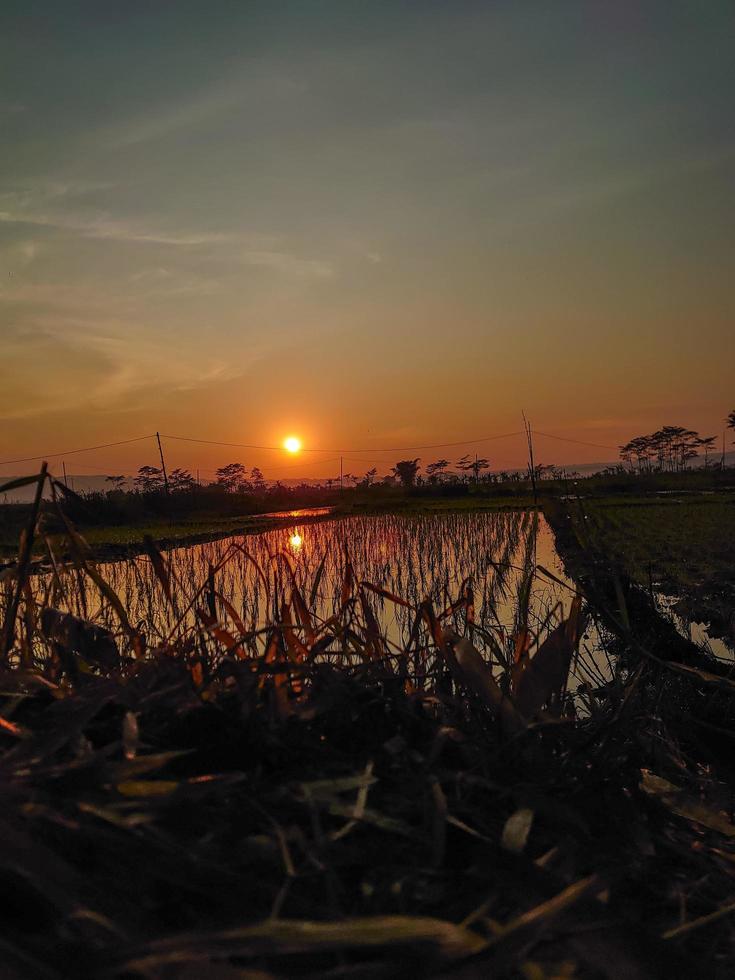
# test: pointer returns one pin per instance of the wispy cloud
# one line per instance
(292, 265)
(103, 226)
(58, 205)
(242, 90)
(105, 367)
(17, 256)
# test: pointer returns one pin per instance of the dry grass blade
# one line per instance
(468, 666)
(317, 580)
(10, 727)
(703, 675)
(427, 614)
(331, 808)
(298, 651)
(385, 594)
(24, 561)
(348, 582)
(159, 565)
(73, 636)
(230, 642)
(545, 674)
(299, 605)
(80, 553)
(527, 926)
(438, 824)
(232, 613)
(374, 637)
(130, 736)
(289, 937)
(701, 921)
(516, 830)
(685, 805)
(226, 557)
(22, 481)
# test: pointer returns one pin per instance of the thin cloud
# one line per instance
(242, 89)
(102, 226)
(103, 368)
(30, 207)
(291, 265)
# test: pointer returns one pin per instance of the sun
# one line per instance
(292, 444)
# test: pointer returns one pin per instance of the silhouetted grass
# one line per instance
(301, 797)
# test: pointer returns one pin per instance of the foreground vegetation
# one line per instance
(682, 547)
(305, 799)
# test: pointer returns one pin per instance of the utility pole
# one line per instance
(341, 478)
(163, 463)
(532, 466)
(63, 466)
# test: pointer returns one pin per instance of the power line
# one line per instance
(72, 452)
(579, 442)
(346, 452)
(436, 445)
(238, 445)
(369, 449)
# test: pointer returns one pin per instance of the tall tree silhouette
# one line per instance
(434, 470)
(667, 450)
(181, 481)
(406, 471)
(232, 478)
(149, 479)
(473, 464)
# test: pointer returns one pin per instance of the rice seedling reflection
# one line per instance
(361, 580)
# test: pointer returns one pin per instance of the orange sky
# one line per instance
(371, 225)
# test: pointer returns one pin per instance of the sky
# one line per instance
(373, 224)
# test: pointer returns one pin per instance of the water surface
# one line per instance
(507, 562)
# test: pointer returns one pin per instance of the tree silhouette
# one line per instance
(232, 478)
(435, 470)
(149, 479)
(667, 450)
(116, 481)
(707, 443)
(406, 471)
(181, 481)
(471, 464)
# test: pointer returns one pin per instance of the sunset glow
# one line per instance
(249, 262)
(446, 289)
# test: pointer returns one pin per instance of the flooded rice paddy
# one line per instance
(505, 564)
(414, 558)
